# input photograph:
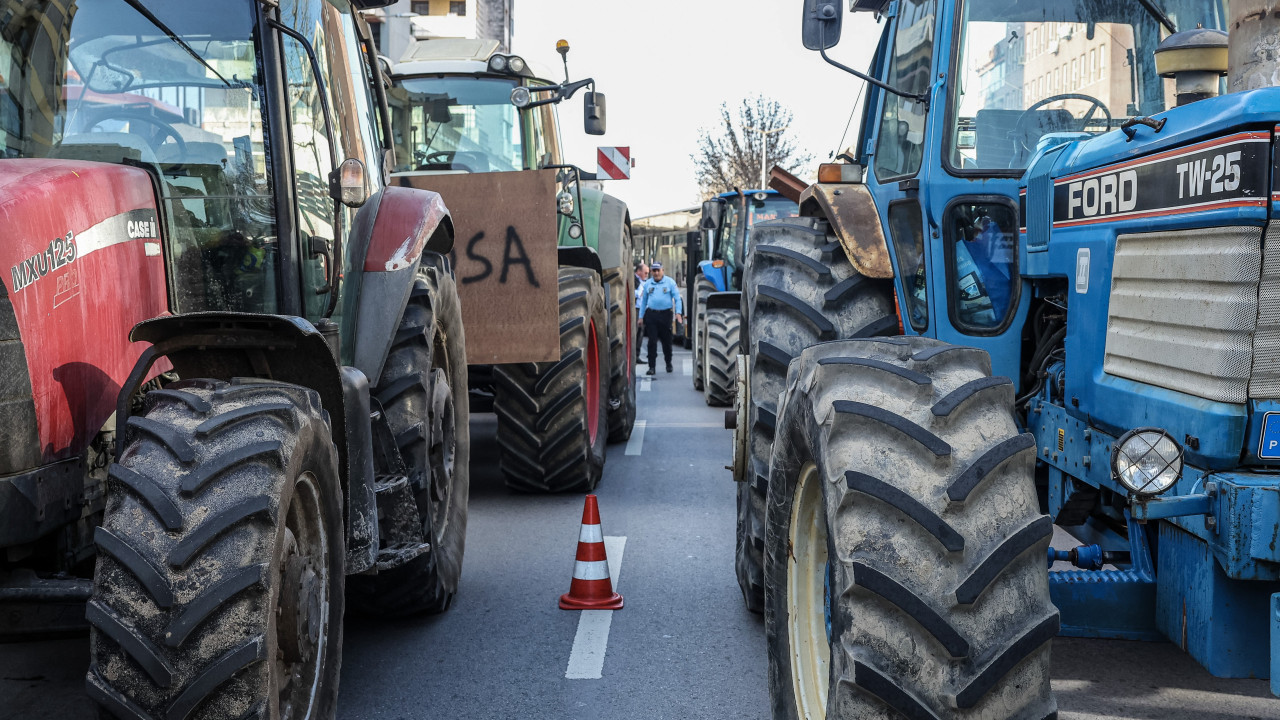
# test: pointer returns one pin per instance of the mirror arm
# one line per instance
(920, 97)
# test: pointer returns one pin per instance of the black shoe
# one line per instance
(651, 371)
(669, 367)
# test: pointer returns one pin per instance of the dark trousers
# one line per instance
(657, 327)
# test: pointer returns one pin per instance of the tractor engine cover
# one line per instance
(81, 263)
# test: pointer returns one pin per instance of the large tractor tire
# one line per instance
(422, 394)
(219, 584)
(799, 289)
(905, 546)
(702, 287)
(720, 383)
(552, 415)
(622, 352)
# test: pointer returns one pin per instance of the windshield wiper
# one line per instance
(1158, 14)
(144, 12)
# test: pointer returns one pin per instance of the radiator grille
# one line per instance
(1265, 382)
(1183, 309)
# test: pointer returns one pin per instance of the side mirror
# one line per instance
(349, 183)
(821, 24)
(711, 214)
(593, 107)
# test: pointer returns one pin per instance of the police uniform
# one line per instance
(659, 302)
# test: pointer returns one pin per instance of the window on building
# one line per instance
(458, 8)
(421, 7)
(1093, 64)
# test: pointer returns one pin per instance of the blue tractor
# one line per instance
(727, 220)
(1034, 322)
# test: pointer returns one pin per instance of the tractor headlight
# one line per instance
(520, 96)
(516, 63)
(575, 231)
(565, 202)
(498, 63)
(1147, 461)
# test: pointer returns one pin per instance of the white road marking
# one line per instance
(586, 660)
(646, 384)
(637, 438)
(688, 367)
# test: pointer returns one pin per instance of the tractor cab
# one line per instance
(726, 230)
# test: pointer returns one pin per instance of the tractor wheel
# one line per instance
(219, 583)
(905, 546)
(721, 355)
(552, 415)
(702, 288)
(622, 354)
(419, 394)
(799, 289)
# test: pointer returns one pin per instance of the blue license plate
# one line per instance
(1269, 446)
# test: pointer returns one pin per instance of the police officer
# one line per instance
(660, 298)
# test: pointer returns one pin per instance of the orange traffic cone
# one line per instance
(591, 588)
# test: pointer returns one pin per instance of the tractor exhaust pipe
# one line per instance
(1253, 56)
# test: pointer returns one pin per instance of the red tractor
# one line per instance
(229, 352)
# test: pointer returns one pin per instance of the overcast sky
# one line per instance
(666, 66)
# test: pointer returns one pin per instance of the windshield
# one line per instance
(1031, 67)
(462, 124)
(174, 89)
(771, 207)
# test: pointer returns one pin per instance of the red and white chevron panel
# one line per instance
(613, 163)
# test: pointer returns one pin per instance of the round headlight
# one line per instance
(520, 96)
(498, 63)
(516, 64)
(575, 231)
(1147, 461)
(761, 196)
(565, 202)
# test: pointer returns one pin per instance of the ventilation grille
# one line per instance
(1183, 310)
(1265, 382)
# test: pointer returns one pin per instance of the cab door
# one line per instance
(898, 173)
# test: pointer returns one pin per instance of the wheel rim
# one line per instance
(301, 614)
(593, 384)
(442, 453)
(808, 612)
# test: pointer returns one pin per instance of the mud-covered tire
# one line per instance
(552, 415)
(622, 351)
(223, 523)
(932, 559)
(799, 289)
(702, 287)
(422, 394)
(720, 383)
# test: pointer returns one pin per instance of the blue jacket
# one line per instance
(661, 295)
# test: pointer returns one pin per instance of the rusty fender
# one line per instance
(852, 214)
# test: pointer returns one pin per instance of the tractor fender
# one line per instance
(391, 235)
(583, 257)
(852, 213)
(716, 275)
(225, 345)
(728, 300)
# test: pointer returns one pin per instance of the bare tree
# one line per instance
(730, 157)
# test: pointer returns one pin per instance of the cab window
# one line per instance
(900, 147)
(982, 264)
(906, 231)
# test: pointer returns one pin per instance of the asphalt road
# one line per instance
(683, 647)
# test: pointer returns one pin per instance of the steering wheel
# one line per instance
(166, 130)
(444, 157)
(1020, 128)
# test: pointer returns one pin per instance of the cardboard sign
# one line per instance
(505, 261)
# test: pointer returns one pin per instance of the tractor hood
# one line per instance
(80, 264)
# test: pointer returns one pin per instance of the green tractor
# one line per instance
(461, 108)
